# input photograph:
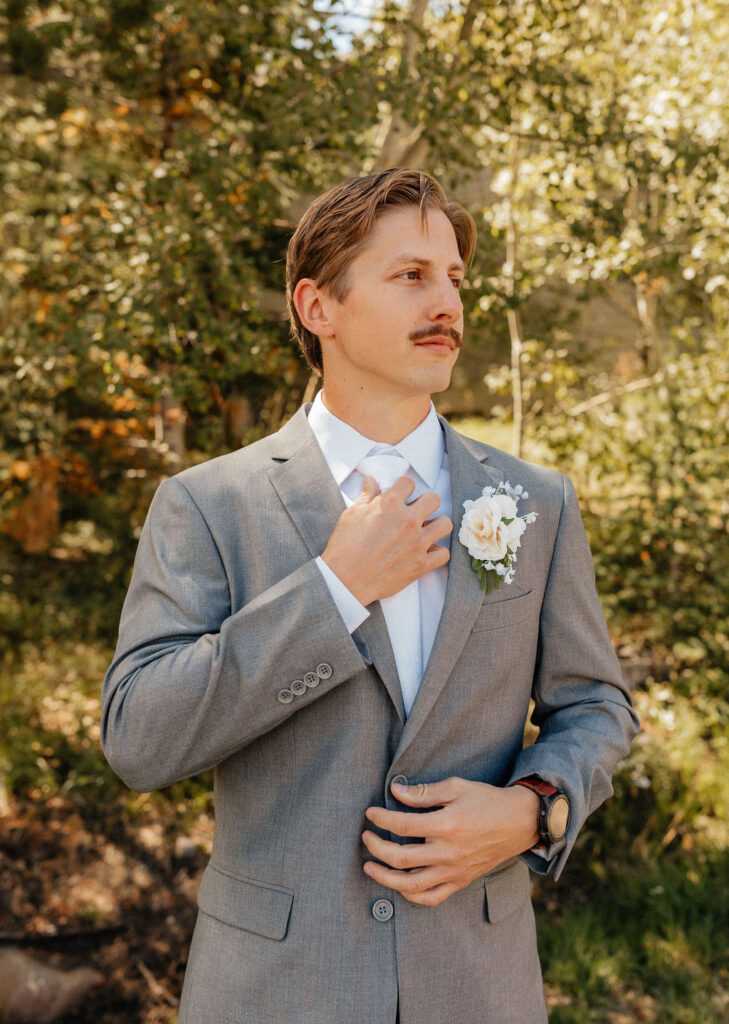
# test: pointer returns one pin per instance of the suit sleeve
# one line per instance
(191, 683)
(582, 705)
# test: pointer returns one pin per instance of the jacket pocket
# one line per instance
(256, 907)
(505, 891)
(506, 612)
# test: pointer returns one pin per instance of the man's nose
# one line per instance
(446, 302)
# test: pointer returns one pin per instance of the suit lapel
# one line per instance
(312, 499)
(464, 596)
(375, 634)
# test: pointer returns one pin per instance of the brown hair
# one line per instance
(334, 227)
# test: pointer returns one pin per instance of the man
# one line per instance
(303, 616)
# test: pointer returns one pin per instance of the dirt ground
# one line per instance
(123, 904)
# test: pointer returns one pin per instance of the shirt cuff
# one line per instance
(353, 613)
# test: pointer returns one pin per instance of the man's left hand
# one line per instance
(472, 828)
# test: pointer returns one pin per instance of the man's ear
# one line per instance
(310, 305)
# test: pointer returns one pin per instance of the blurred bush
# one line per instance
(650, 467)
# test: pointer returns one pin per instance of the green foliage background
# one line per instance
(154, 159)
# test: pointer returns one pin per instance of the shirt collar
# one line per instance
(343, 446)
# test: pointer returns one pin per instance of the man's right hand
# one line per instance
(381, 544)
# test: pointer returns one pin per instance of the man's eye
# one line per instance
(411, 275)
(457, 282)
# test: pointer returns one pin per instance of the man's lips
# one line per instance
(439, 342)
(437, 337)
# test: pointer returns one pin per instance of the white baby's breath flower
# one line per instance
(513, 533)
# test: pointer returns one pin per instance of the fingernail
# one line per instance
(398, 787)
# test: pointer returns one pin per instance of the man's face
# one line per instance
(399, 328)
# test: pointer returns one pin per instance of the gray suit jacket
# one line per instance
(225, 609)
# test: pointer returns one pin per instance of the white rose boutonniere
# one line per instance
(491, 529)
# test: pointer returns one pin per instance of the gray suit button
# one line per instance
(311, 679)
(382, 910)
(285, 696)
(324, 671)
(298, 687)
(401, 780)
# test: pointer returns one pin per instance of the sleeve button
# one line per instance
(285, 696)
(298, 687)
(324, 670)
(311, 679)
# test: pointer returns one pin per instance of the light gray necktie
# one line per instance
(402, 610)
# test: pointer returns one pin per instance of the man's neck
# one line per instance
(380, 419)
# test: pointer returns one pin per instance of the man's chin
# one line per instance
(440, 381)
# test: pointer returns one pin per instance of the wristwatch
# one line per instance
(554, 811)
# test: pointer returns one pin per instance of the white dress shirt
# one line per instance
(343, 448)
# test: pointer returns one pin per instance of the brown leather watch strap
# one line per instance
(541, 788)
(538, 785)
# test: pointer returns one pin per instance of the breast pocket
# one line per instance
(256, 907)
(498, 614)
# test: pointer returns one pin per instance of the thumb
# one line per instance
(425, 794)
(370, 490)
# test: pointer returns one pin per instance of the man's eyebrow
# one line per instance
(406, 257)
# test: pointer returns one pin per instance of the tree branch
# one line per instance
(469, 17)
(617, 392)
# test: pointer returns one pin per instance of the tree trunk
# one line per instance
(512, 317)
(650, 344)
(641, 208)
(169, 429)
(402, 143)
(312, 386)
(401, 136)
(517, 436)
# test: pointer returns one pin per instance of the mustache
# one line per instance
(438, 332)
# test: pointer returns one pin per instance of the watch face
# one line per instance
(558, 817)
